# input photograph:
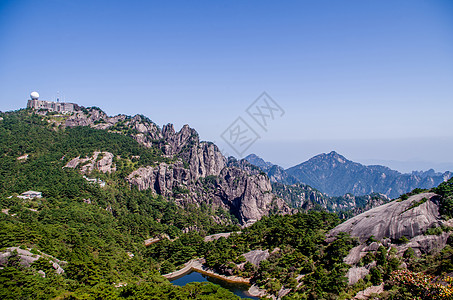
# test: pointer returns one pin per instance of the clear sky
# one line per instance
(372, 80)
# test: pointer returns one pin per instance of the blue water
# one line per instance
(237, 288)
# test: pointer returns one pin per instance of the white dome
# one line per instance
(34, 95)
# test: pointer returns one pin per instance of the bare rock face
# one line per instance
(424, 243)
(256, 256)
(81, 118)
(247, 196)
(147, 132)
(176, 141)
(356, 273)
(101, 161)
(409, 218)
(245, 193)
(205, 159)
(366, 294)
(160, 179)
(388, 223)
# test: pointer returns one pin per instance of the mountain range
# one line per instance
(335, 175)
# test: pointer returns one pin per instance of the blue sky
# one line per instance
(372, 80)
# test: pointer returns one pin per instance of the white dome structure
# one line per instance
(34, 96)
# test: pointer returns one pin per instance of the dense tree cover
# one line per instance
(445, 189)
(98, 231)
(298, 247)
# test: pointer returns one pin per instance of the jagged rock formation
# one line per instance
(351, 205)
(196, 171)
(248, 197)
(204, 158)
(301, 195)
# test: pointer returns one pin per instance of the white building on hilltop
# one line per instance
(63, 107)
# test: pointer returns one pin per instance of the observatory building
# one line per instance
(63, 107)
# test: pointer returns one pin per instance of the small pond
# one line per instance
(237, 288)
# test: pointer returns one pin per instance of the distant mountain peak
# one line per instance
(332, 154)
(335, 175)
(331, 159)
(258, 161)
(275, 172)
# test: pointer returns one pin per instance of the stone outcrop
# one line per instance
(26, 258)
(395, 219)
(366, 294)
(256, 256)
(144, 130)
(248, 197)
(386, 225)
(90, 117)
(213, 237)
(101, 161)
(161, 179)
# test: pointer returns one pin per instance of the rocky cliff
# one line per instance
(196, 172)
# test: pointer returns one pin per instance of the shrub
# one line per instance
(409, 253)
(422, 286)
(402, 240)
(376, 276)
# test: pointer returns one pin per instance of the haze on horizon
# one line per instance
(370, 80)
